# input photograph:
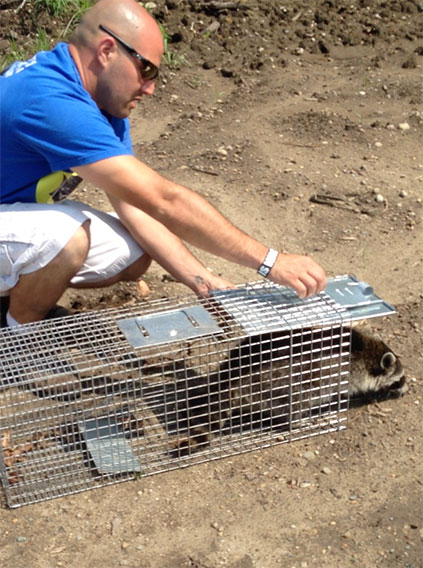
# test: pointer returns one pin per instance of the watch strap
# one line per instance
(268, 263)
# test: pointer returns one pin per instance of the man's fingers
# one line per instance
(301, 273)
(314, 281)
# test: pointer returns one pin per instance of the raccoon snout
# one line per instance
(398, 389)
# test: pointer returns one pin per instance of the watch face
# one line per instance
(263, 270)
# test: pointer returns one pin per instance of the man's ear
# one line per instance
(106, 50)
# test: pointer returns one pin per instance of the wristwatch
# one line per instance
(268, 263)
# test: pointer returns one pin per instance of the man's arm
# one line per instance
(168, 250)
(192, 218)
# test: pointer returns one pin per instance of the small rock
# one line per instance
(213, 27)
(143, 289)
(326, 470)
(323, 46)
(410, 62)
(379, 198)
(21, 539)
(309, 456)
(227, 72)
(404, 126)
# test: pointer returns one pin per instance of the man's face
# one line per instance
(122, 84)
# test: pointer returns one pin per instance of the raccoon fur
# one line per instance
(276, 380)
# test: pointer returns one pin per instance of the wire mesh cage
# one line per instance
(101, 397)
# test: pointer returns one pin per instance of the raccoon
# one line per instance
(376, 373)
(276, 380)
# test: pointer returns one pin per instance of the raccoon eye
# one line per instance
(388, 360)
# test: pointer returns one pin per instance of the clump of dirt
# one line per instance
(248, 35)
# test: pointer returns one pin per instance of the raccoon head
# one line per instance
(376, 372)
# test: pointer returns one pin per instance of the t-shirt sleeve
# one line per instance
(68, 130)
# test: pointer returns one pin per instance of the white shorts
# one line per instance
(32, 234)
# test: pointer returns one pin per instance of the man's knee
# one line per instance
(129, 274)
(134, 271)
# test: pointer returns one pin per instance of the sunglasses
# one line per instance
(148, 70)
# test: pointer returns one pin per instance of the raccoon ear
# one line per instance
(388, 360)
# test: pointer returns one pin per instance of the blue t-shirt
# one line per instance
(49, 123)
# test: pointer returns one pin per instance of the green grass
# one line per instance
(172, 59)
(22, 52)
(70, 11)
(62, 7)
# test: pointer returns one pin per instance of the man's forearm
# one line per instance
(167, 249)
(192, 218)
(199, 223)
(186, 213)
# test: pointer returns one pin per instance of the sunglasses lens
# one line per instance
(149, 71)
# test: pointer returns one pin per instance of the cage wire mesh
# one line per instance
(101, 397)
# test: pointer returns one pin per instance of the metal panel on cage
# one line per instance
(100, 397)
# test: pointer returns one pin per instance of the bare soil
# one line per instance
(303, 123)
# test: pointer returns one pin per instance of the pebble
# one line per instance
(326, 470)
(404, 126)
(309, 456)
(217, 527)
(21, 539)
(143, 289)
(379, 198)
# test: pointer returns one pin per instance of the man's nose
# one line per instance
(148, 87)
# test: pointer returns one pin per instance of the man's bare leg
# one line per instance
(37, 292)
(131, 274)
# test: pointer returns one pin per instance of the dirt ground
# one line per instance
(302, 121)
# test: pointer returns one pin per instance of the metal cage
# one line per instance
(101, 397)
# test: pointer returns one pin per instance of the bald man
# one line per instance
(64, 118)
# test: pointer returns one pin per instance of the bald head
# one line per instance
(126, 17)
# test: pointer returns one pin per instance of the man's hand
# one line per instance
(299, 272)
(203, 285)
